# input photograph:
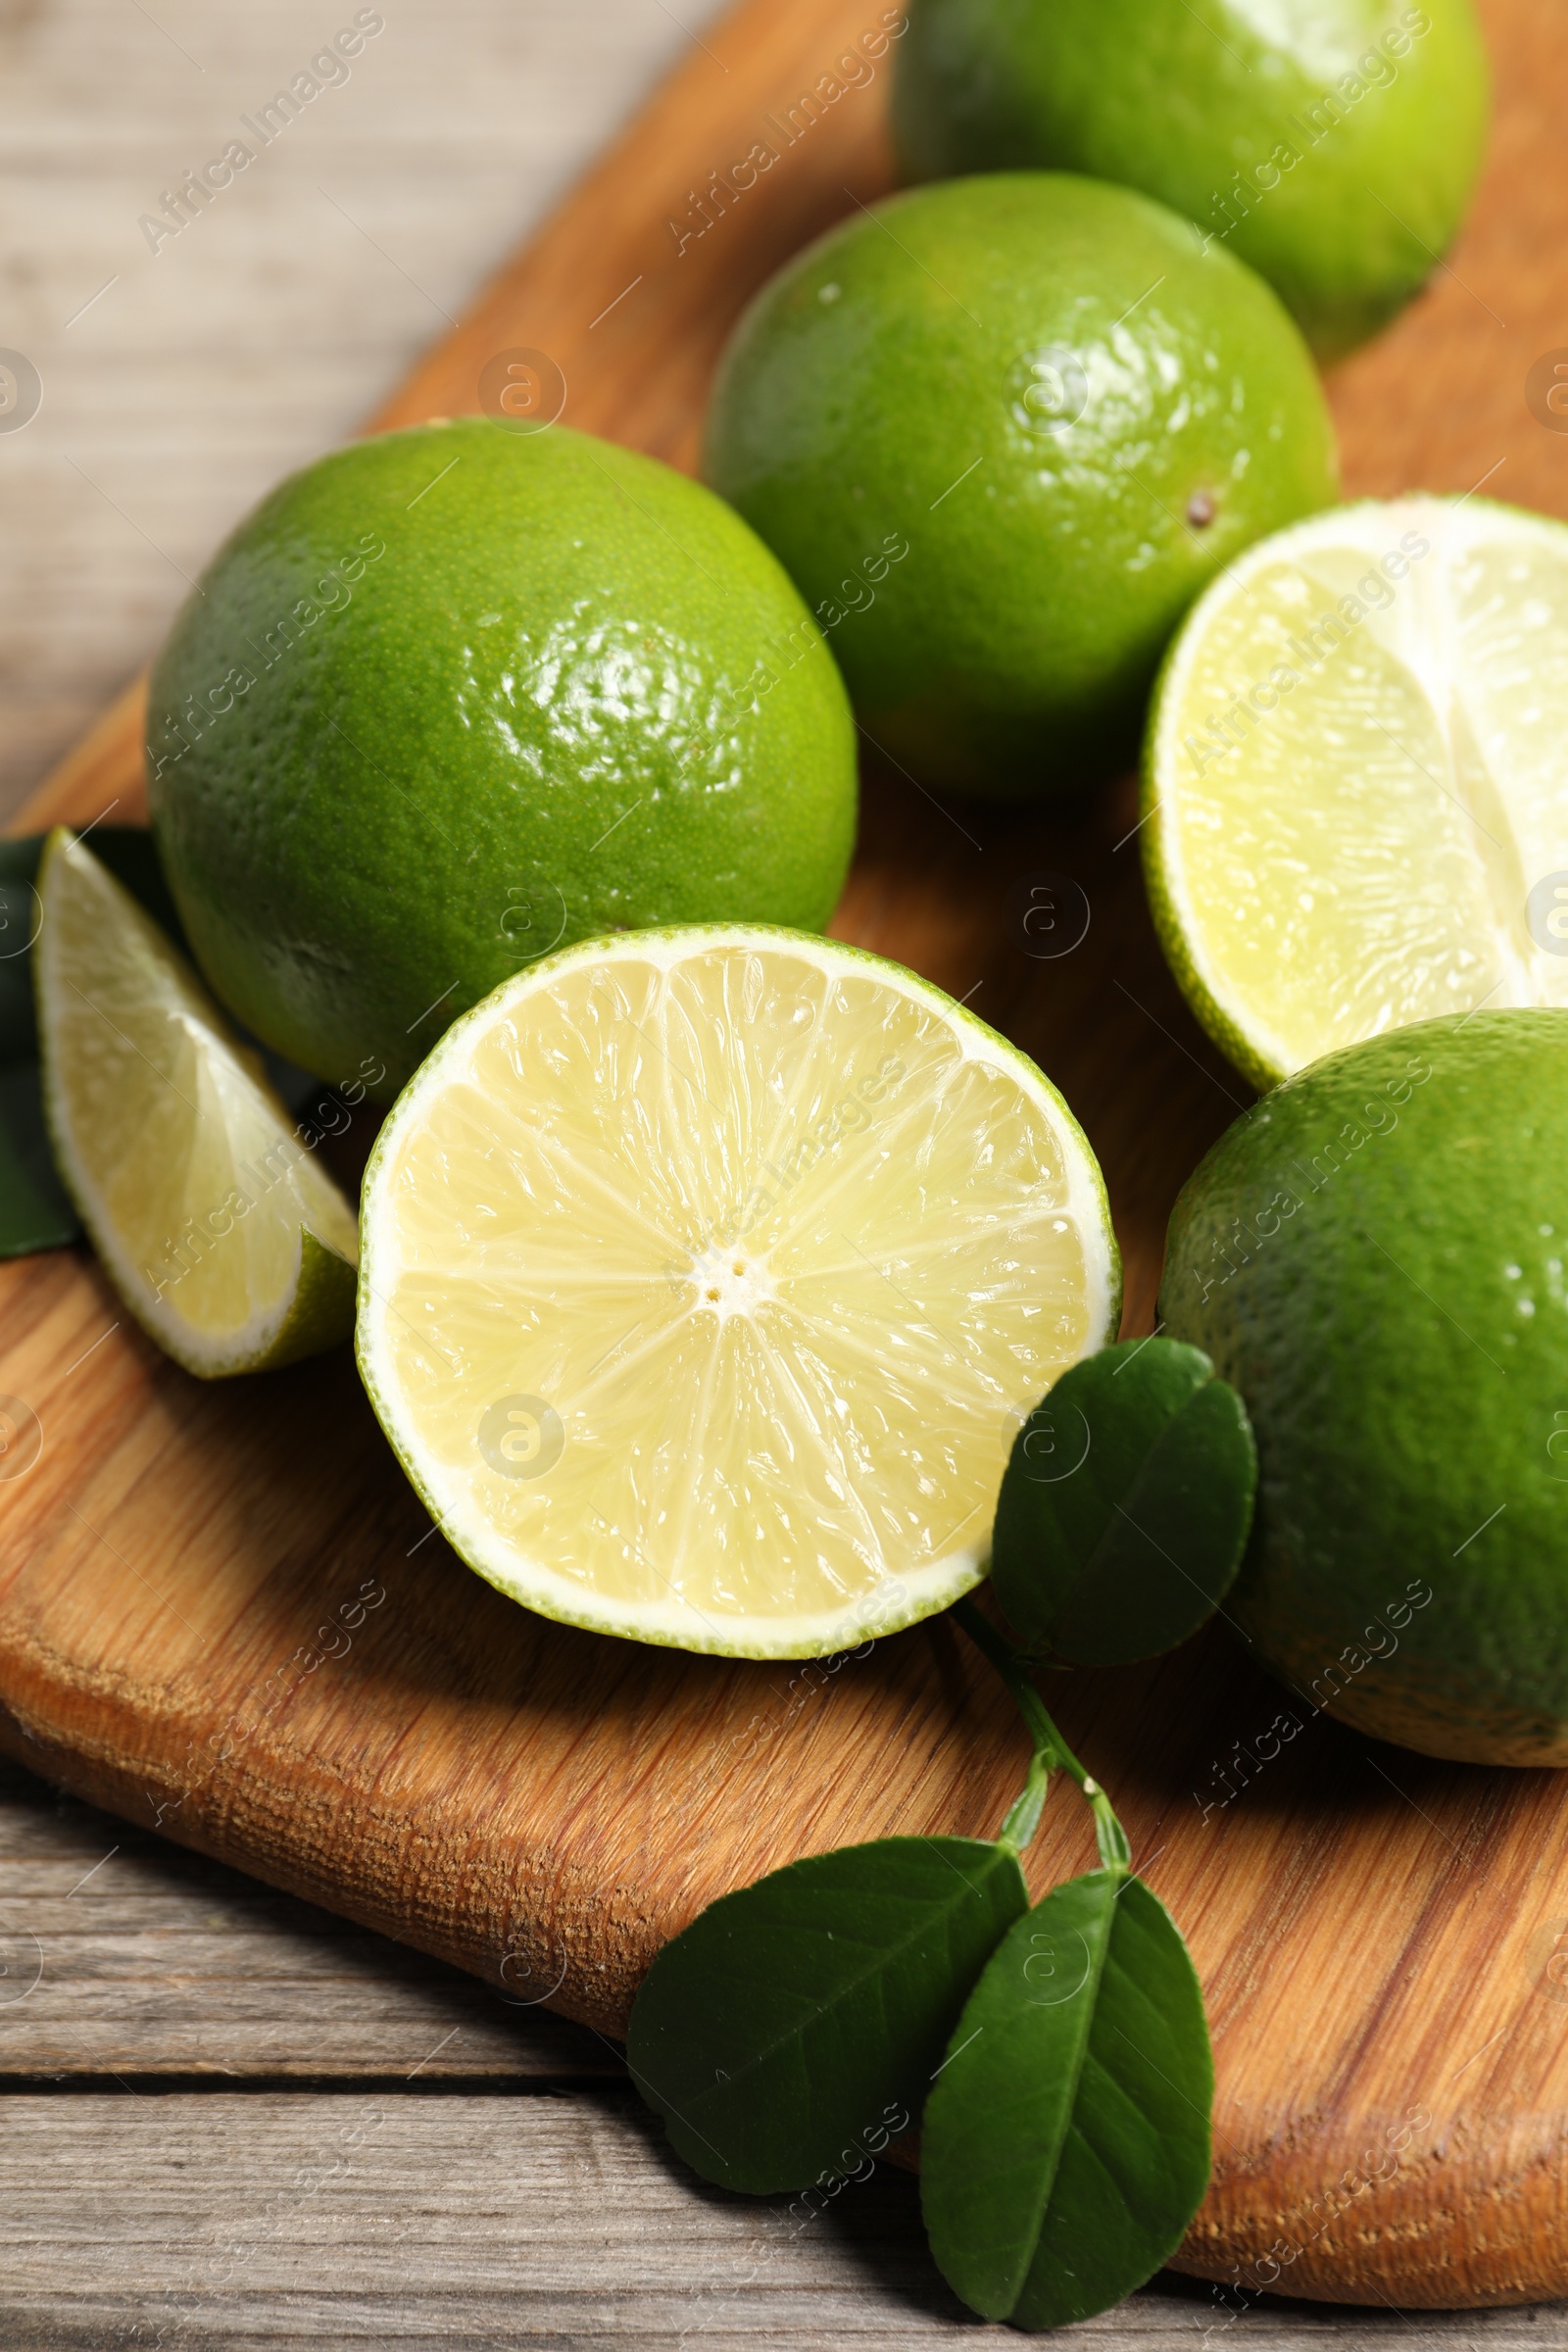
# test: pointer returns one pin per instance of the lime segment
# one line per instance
(706, 1275)
(217, 1228)
(1354, 783)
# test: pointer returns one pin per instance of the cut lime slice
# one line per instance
(1356, 804)
(214, 1222)
(706, 1277)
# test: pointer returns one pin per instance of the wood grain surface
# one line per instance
(179, 385)
(130, 1964)
(229, 2113)
(222, 1613)
(260, 2220)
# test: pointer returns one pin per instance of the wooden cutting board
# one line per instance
(222, 1611)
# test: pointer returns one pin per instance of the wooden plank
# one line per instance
(633, 317)
(150, 1965)
(258, 337)
(1370, 1926)
(125, 1958)
(1436, 403)
(262, 2220)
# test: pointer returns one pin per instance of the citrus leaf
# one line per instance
(795, 2018)
(19, 927)
(1065, 2146)
(19, 920)
(1125, 1505)
(34, 1211)
(132, 855)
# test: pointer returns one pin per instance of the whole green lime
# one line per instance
(1000, 433)
(1334, 144)
(455, 697)
(1374, 1257)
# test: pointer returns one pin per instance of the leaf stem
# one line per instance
(1023, 1816)
(1051, 1752)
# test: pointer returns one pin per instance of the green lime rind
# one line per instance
(322, 1314)
(1374, 1257)
(1333, 148)
(1001, 432)
(455, 696)
(528, 1582)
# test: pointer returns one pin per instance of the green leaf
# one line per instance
(794, 2022)
(1125, 1505)
(20, 856)
(19, 921)
(132, 856)
(1066, 2143)
(34, 1212)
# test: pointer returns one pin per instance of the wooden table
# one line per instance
(227, 2118)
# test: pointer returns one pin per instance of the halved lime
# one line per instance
(215, 1223)
(706, 1277)
(1354, 799)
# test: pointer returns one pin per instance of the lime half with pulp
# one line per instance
(705, 1278)
(1355, 810)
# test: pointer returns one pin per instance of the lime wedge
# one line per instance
(216, 1225)
(1354, 805)
(705, 1278)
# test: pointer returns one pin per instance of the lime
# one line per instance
(708, 1275)
(1333, 144)
(217, 1228)
(1000, 433)
(1374, 1257)
(1353, 807)
(455, 697)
